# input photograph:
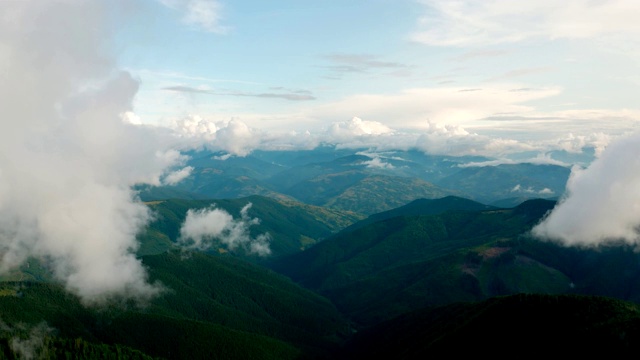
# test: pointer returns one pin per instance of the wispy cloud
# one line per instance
(486, 53)
(199, 14)
(482, 23)
(297, 95)
(363, 63)
(521, 72)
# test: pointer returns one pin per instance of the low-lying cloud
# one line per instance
(68, 156)
(602, 202)
(205, 228)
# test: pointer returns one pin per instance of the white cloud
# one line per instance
(233, 136)
(357, 127)
(377, 162)
(177, 176)
(69, 160)
(200, 14)
(202, 228)
(602, 201)
(482, 23)
(415, 108)
(540, 159)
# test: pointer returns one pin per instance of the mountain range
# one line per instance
(400, 255)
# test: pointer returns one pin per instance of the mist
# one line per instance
(68, 158)
(602, 202)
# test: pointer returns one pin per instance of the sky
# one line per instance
(521, 75)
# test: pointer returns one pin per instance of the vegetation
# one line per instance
(403, 263)
(213, 307)
(537, 325)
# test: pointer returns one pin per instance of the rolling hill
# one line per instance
(213, 307)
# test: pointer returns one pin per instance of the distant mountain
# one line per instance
(214, 308)
(492, 183)
(362, 193)
(536, 324)
(358, 180)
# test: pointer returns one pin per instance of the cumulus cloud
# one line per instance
(357, 127)
(68, 158)
(576, 143)
(455, 140)
(205, 228)
(233, 136)
(602, 202)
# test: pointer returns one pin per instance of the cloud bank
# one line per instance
(602, 201)
(202, 229)
(67, 157)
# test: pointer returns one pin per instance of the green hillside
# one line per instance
(392, 266)
(214, 308)
(424, 207)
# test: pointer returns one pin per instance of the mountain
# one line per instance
(536, 324)
(213, 308)
(358, 180)
(424, 207)
(488, 184)
(402, 263)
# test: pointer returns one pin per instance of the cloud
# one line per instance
(530, 190)
(68, 159)
(357, 127)
(491, 22)
(233, 136)
(602, 201)
(539, 159)
(199, 14)
(202, 229)
(455, 140)
(360, 63)
(32, 346)
(414, 108)
(177, 176)
(469, 55)
(377, 162)
(521, 72)
(298, 95)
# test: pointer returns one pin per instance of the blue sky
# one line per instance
(521, 71)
